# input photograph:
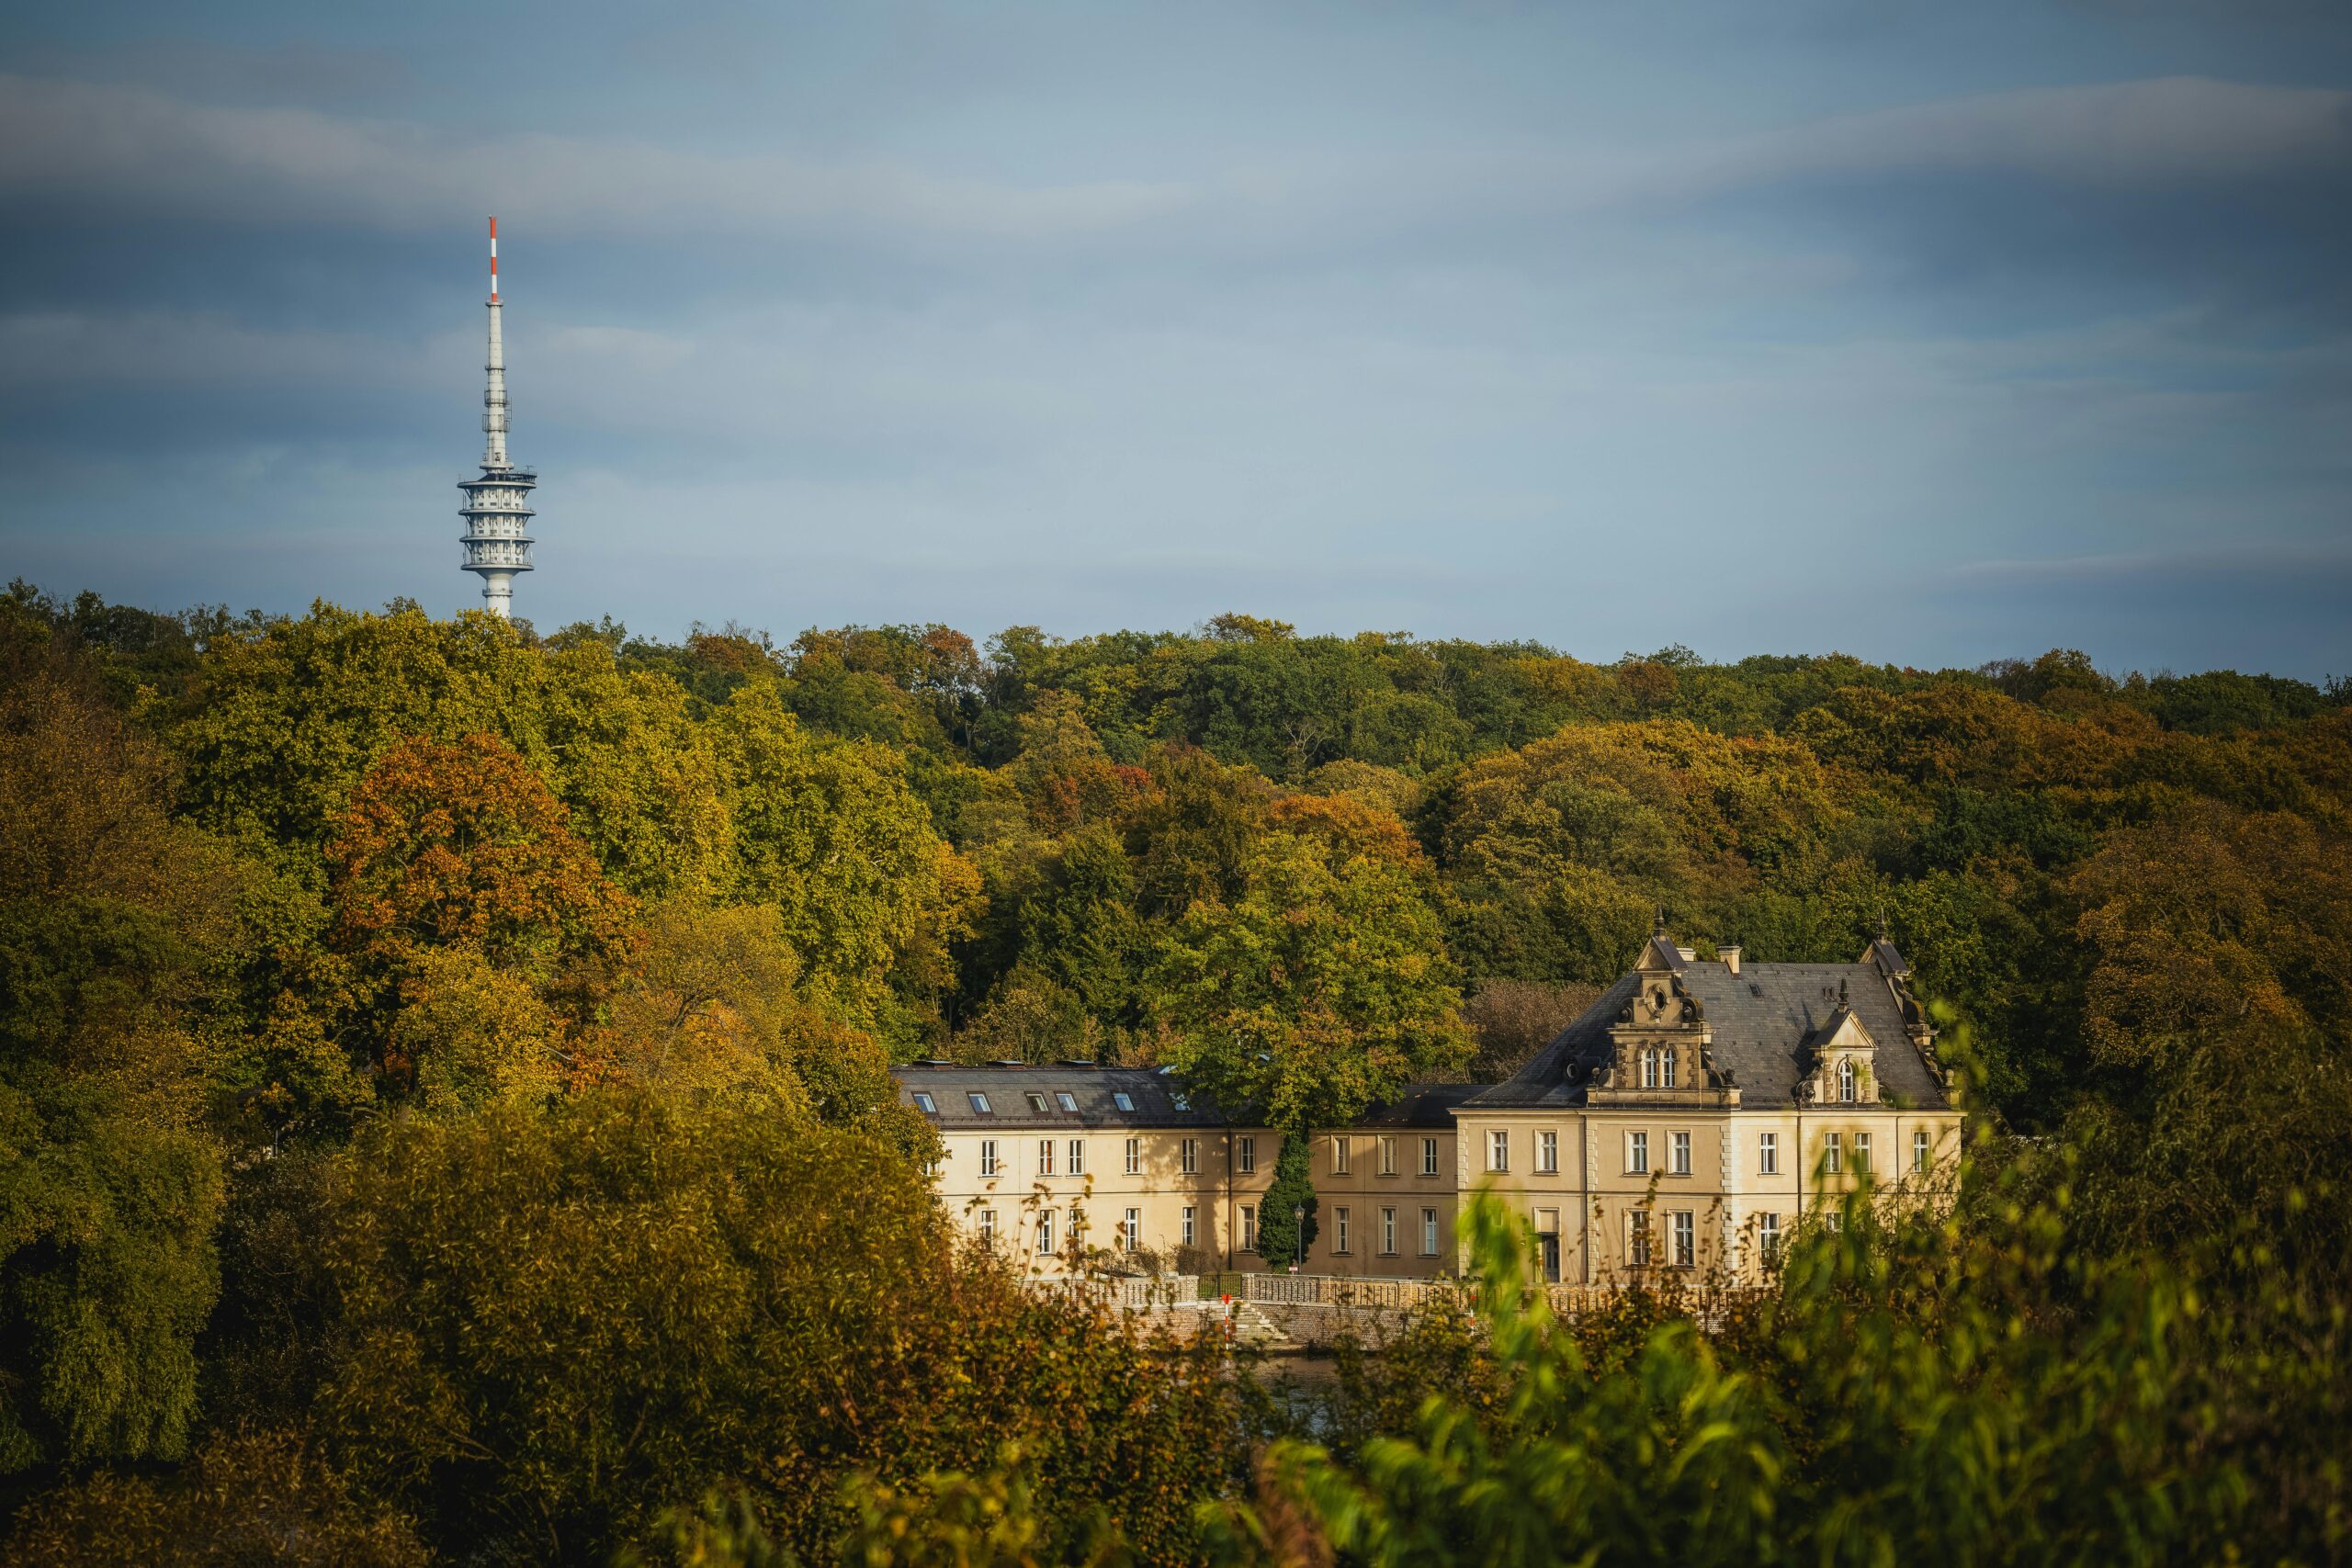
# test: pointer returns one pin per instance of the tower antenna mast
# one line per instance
(496, 510)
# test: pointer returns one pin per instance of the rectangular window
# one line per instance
(1388, 1233)
(1862, 1151)
(1833, 1153)
(1836, 1221)
(1387, 1157)
(1768, 1237)
(1245, 1154)
(1547, 1152)
(1649, 1069)
(1192, 1156)
(1046, 1232)
(1339, 1230)
(1123, 1099)
(1036, 1103)
(1637, 1153)
(1428, 1156)
(1666, 1069)
(1339, 1155)
(979, 1103)
(1131, 1230)
(988, 1158)
(924, 1103)
(1135, 1155)
(1499, 1151)
(987, 1226)
(1768, 1153)
(1191, 1222)
(1919, 1151)
(1065, 1099)
(1248, 1228)
(1686, 1239)
(1429, 1233)
(1679, 1151)
(1078, 1156)
(1044, 1157)
(1637, 1246)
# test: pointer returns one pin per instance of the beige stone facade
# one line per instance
(1697, 1114)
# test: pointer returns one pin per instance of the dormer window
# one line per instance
(1649, 1069)
(1846, 1080)
(1666, 1069)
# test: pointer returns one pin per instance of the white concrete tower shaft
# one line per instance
(496, 510)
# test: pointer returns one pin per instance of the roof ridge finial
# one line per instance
(1841, 991)
(1882, 921)
(1660, 929)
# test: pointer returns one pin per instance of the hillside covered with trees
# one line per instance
(445, 1110)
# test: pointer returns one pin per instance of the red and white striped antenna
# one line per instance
(493, 261)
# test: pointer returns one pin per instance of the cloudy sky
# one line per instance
(1931, 332)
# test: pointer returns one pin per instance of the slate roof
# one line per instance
(1152, 1092)
(1762, 1017)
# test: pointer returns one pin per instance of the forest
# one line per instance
(446, 1111)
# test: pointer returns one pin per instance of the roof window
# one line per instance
(980, 1102)
(1123, 1099)
(924, 1103)
(1036, 1102)
(1069, 1101)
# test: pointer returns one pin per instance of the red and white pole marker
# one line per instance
(493, 261)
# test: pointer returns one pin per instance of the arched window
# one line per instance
(1846, 1079)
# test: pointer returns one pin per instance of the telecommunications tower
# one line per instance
(495, 512)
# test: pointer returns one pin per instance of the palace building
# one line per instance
(1694, 1116)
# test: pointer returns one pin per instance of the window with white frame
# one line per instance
(1919, 1151)
(1678, 1154)
(1387, 1157)
(1044, 1157)
(1862, 1152)
(1768, 1237)
(1388, 1233)
(1248, 1228)
(1637, 1239)
(987, 1156)
(1686, 1239)
(1768, 1154)
(1077, 1152)
(1131, 1230)
(987, 1226)
(1036, 1103)
(1547, 1152)
(979, 1103)
(1666, 1069)
(1836, 1221)
(1846, 1079)
(1067, 1100)
(1833, 1153)
(1339, 1230)
(1245, 1154)
(1189, 1156)
(1649, 1069)
(1123, 1099)
(1339, 1155)
(1191, 1224)
(1429, 1233)
(924, 1103)
(1637, 1153)
(1046, 1232)
(1135, 1155)
(1499, 1150)
(1428, 1156)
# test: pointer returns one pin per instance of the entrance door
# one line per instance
(1551, 1257)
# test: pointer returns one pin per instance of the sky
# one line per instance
(1931, 333)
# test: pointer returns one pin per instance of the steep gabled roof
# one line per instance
(1767, 1020)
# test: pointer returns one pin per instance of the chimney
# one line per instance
(1730, 955)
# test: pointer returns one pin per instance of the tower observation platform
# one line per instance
(497, 507)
